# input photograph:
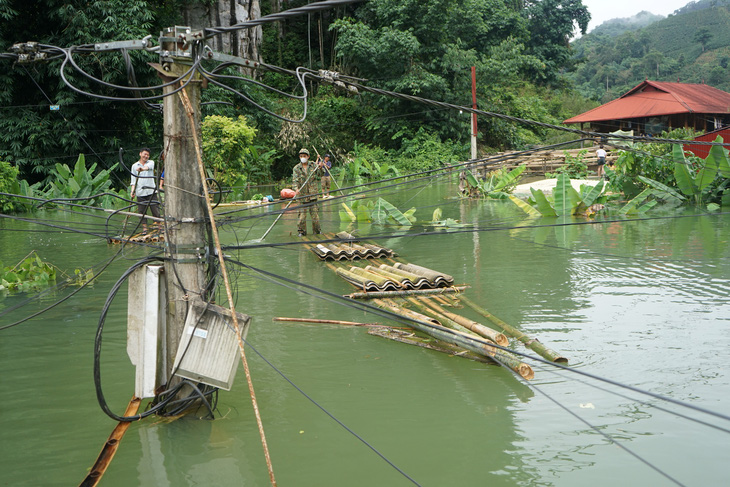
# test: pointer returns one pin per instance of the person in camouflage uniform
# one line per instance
(305, 173)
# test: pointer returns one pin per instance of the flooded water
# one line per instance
(640, 303)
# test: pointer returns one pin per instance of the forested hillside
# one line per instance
(418, 47)
(692, 46)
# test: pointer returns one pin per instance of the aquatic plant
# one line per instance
(565, 199)
(498, 184)
(29, 274)
(379, 211)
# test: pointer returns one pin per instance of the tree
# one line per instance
(702, 36)
(31, 135)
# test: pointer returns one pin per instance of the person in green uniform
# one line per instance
(305, 184)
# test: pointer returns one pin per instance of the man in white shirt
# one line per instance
(143, 186)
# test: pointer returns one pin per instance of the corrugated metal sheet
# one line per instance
(655, 98)
(394, 278)
(702, 151)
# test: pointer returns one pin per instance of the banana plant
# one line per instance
(695, 183)
(565, 199)
(379, 211)
(80, 183)
(499, 183)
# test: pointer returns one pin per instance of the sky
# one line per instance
(603, 10)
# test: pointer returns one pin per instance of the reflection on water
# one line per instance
(643, 303)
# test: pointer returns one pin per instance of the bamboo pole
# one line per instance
(532, 344)
(443, 319)
(477, 328)
(471, 343)
(407, 292)
(410, 338)
(327, 322)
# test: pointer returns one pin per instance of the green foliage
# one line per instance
(8, 178)
(226, 143)
(378, 211)
(34, 137)
(425, 48)
(653, 161)
(81, 183)
(698, 179)
(575, 167)
(30, 274)
(688, 46)
(564, 201)
(498, 184)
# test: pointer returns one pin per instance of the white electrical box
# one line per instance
(146, 319)
(208, 350)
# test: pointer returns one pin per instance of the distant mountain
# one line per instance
(616, 27)
(691, 45)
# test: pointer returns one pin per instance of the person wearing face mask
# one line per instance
(305, 185)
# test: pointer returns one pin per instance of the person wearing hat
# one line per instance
(305, 186)
(325, 165)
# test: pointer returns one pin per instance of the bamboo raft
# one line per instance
(150, 237)
(427, 300)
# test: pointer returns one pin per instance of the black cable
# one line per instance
(312, 7)
(607, 436)
(336, 298)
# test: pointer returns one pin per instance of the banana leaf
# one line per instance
(662, 188)
(509, 179)
(685, 181)
(565, 196)
(348, 212)
(411, 215)
(633, 205)
(379, 214)
(707, 174)
(471, 179)
(363, 211)
(395, 213)
(593, 194)
(723, 165)
(524, 206)
(543, 205)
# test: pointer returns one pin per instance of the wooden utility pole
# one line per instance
(184, 209)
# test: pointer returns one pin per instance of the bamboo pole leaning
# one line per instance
(531, 343)
(326, 322)
(468, 342)
(477, 328)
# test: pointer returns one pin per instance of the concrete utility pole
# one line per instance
(474, 115)
(184, 208)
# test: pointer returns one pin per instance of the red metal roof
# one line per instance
(702, 151)
(657, 98)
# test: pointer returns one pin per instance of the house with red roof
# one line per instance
(654, 106)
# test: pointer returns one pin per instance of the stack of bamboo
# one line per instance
(422, 296)
(472, 338)
(544, 161)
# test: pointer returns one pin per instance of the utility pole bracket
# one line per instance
(176, 43)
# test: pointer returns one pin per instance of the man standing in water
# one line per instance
(305, 186)
(143, 186)
(325, 166)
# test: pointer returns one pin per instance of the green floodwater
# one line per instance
(643, 303)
